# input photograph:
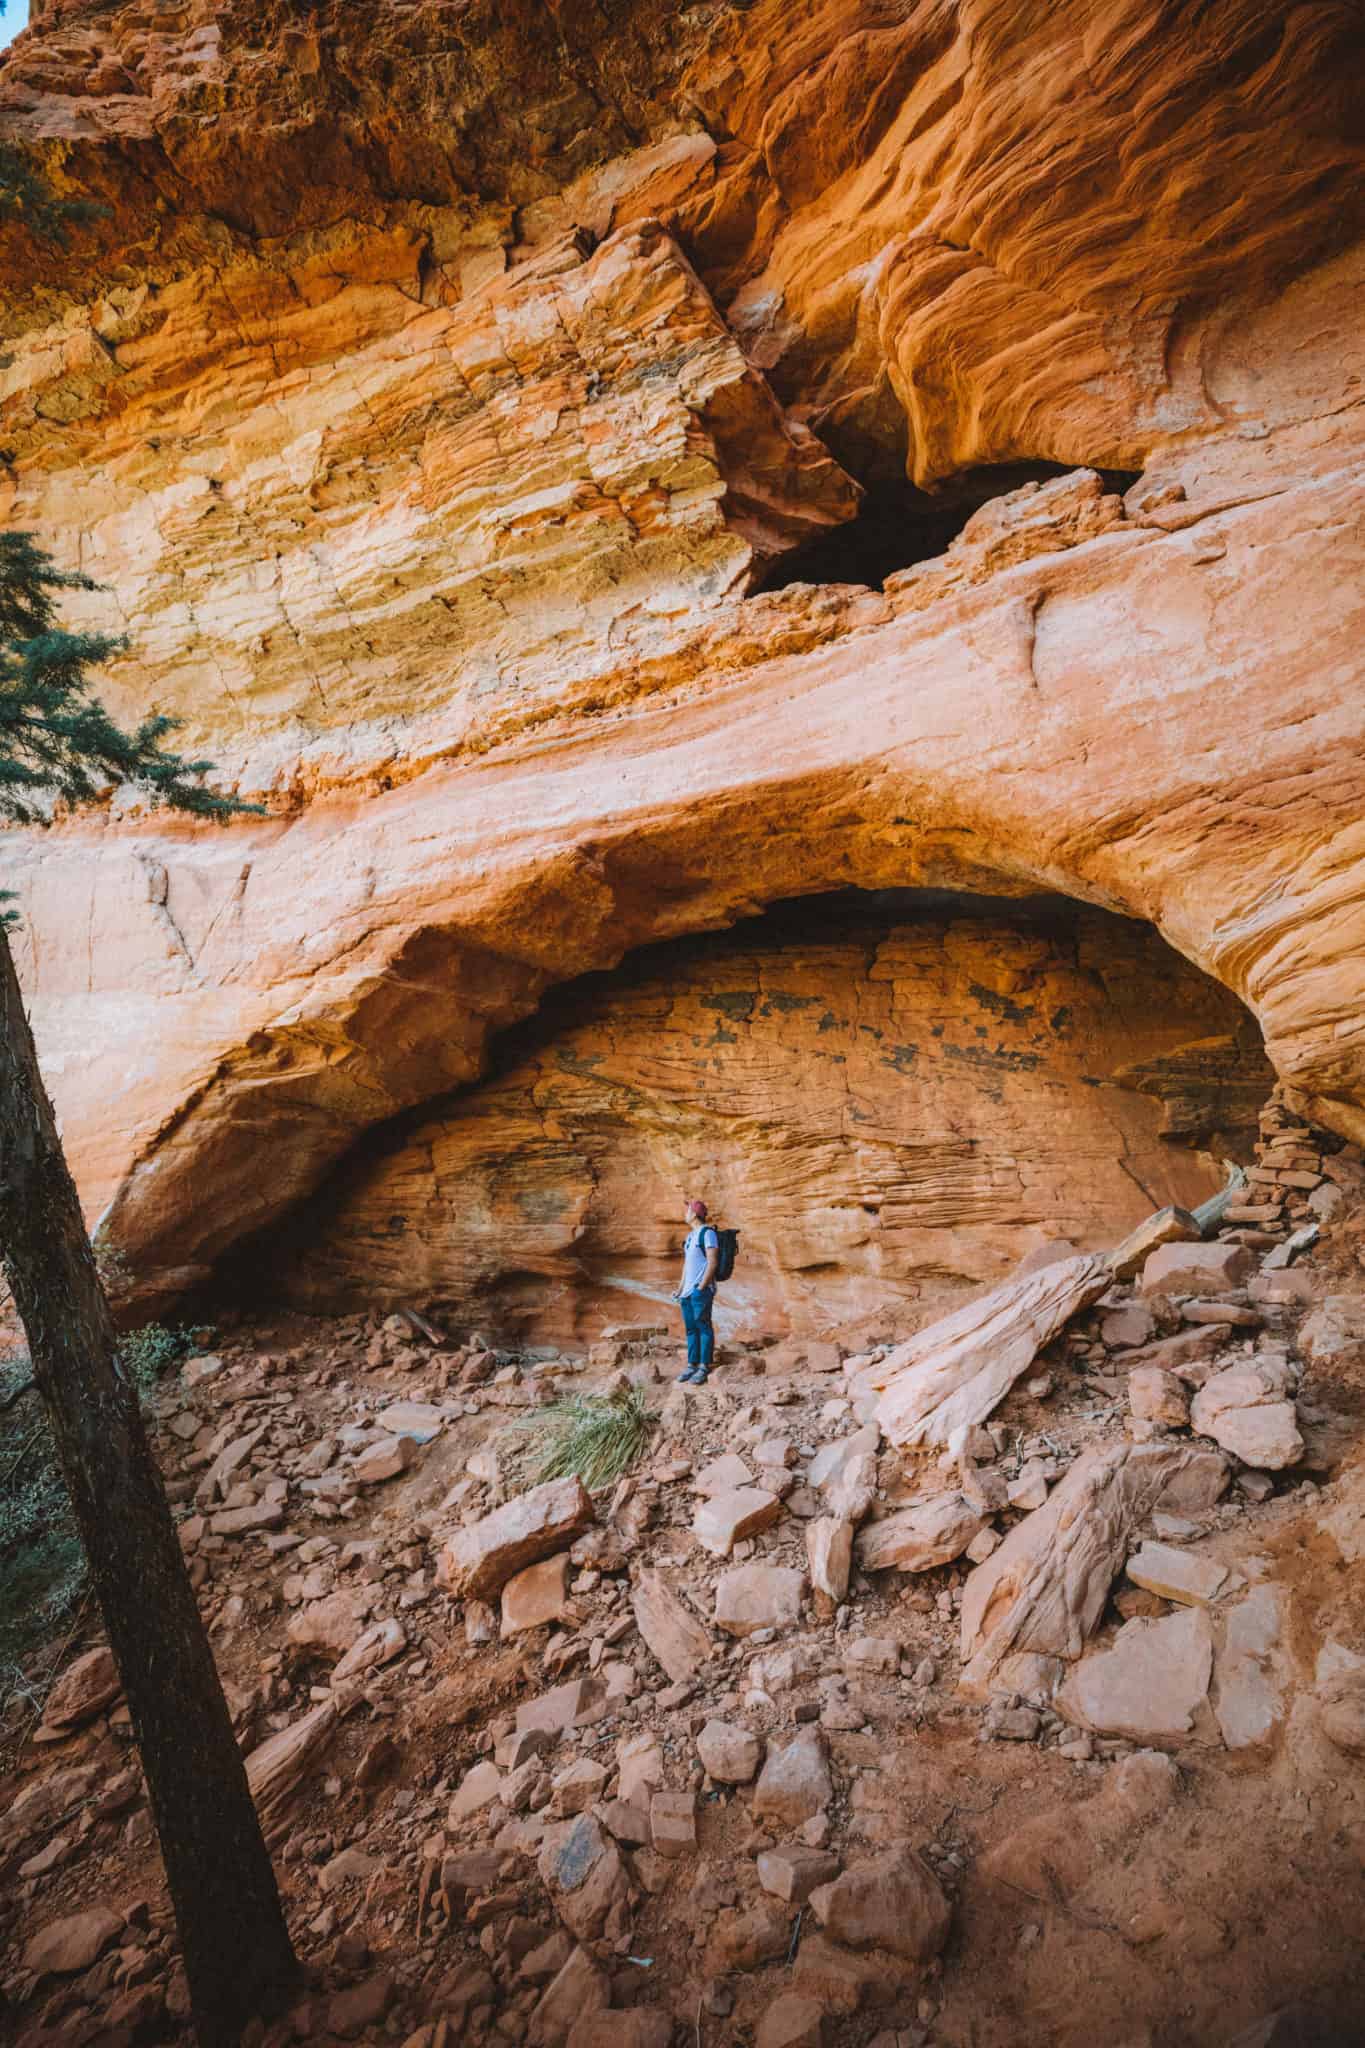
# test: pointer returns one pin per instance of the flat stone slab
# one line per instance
(722, 1521)
(1149, 1685)
(479, 1561)
(754, 1596)
(1180, 1575)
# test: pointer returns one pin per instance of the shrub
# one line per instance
(597, 1437)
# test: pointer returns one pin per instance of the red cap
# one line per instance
(697, 1209)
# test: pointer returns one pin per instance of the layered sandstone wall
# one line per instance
(440, 382)
(894, 1105)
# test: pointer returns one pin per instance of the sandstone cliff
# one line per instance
(440, 398)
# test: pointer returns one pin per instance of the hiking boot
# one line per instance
(699, 1376)
(687, 1375)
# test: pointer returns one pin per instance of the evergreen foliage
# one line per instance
(28, 200)
(57, 741)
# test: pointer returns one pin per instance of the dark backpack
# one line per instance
(727, 1249)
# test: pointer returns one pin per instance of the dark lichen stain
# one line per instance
(901, 1057)
(785, 1004)
(1001, 1006)
(737, 1004)
(997, 1059)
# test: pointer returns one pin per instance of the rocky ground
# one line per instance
(764, 1743)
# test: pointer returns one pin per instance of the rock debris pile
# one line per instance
(720, 1747)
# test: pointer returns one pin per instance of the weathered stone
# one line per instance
(481, 1559)
(577, 1787)
(792, 2021)
(953, 1374)
(477, 1789)
(673, 1823)
(535, 1597)
(794, 1784)
(1044, 1590)
(84, 1689)
(745, 1940)
(65, 1947)
(728, 1754)
(792, 1872)
(640, 2026)
(829, 1558)
(578, 1703)
(379, 1645)
(1167, 1226)
(1333, 1337)
(726, 1518)
(1149, 1685)
(1125, 1327)
(577, 1989)
(1246, 1411)
(726, 1474)
(1251, 1670)
(360, 2007)
(919, 1537)
(754, 1596)
(1341, 1713)
(891, 1902)
(387, 1459)
(335, 1625)
(674, 1635)
(1157, 1396)
(1196, 1268)
(1180, 1575)
(580, 1865)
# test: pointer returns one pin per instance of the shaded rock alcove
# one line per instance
(895, 1095)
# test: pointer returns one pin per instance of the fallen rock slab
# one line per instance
(792, 1872)
(672, 1633)
(792, 2021)
(829, 1558)
(1167, 1226)
(1247, 1411)
(65, 1947)
(1180, 1575)
(535, 1597)
(1149, 1686)
(1251, 1670)
(1196, 1268)
(893, 1902)
(728, 1754)
(480, 1560)
(754, 1596)
(920, 1537)
(727, 1517)
(581, 1868)
(795, 1783)
(952, 1375)
(1157, 1396)
(1043, 1591)
(84, 1689)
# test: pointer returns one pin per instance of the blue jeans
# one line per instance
(696, 1315)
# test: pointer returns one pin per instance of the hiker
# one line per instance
(696, 1292)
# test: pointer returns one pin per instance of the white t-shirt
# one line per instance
(695, 1247)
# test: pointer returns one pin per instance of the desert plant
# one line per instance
(596, 1437)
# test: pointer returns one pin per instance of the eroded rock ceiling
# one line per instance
(443, 382)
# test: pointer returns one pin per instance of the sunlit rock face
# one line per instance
(438, 400)
(892, 1103)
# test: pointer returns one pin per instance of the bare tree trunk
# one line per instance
(236, 1949)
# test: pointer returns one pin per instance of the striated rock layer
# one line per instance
(894, 1109)
(444, 396)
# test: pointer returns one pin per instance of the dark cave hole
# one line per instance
(899, 524)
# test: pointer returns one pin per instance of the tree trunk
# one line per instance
(236, 1949)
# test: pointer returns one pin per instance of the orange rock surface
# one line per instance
(439, 399)
(894, 1111)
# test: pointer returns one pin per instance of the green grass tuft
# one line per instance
(597, 1437)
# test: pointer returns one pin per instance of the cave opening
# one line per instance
(894, 1095)
(899, 525)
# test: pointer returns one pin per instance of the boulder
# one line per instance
(1180, 1575)
(791, 2021)
(920, 1537)
(1157, 1396)
(478, 1788)
(728, 1754)
(1196, 1268)
(84, 1689)
(1149, 1686)
(1124, 1328)
(727, 1517)
(673, 1634)
(829, 1557)
(794, 1784)
(754, 1596)
(953, 1374)
(481, 1559)
(577, 1787)
(1167, 1226)
(1334, 1335)
(792, 1872)
(581, 1868)
(1044, 1590)
(1246, 1410)
(673, 1823)
(385, 1460)
(892, 1902)
(1341, 1713)
(746, 1939)
(535, 1597)
(65, 1947)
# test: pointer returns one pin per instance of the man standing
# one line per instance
(696, 1292)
